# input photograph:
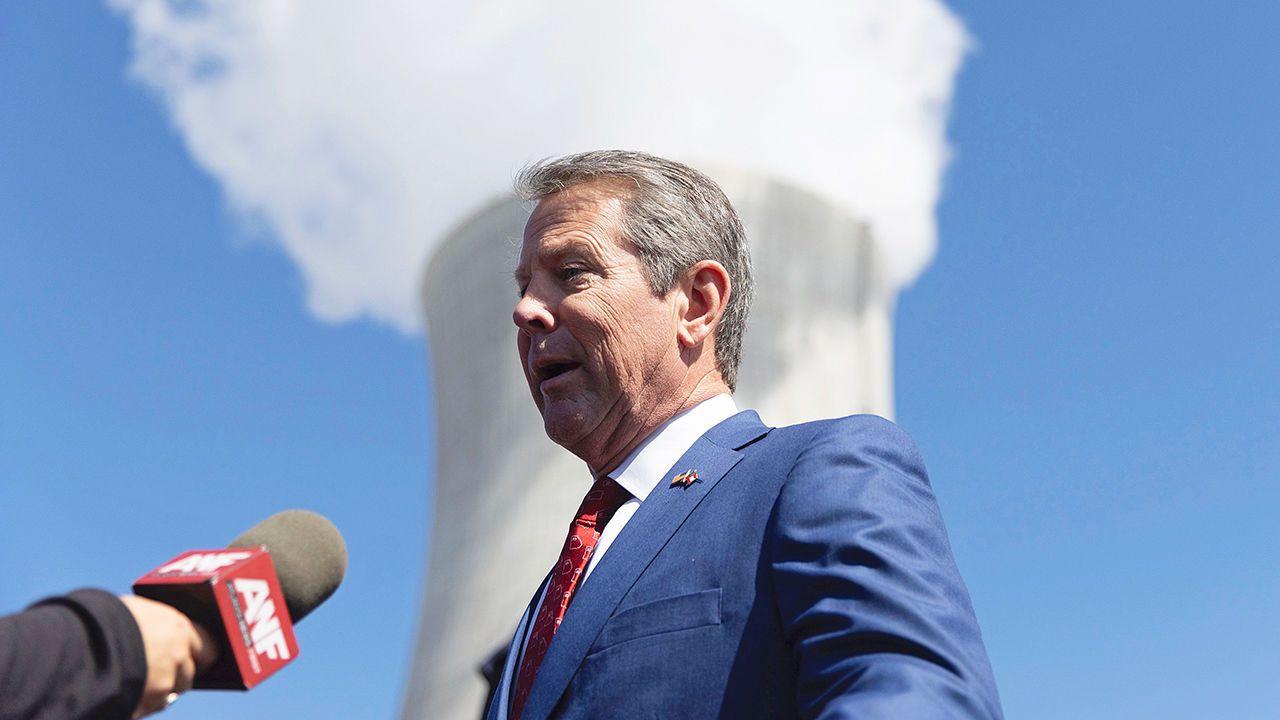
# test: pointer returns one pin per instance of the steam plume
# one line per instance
(359, 133)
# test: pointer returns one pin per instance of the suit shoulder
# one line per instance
(863, 426)
(857, 440)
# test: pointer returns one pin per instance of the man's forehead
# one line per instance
(588, 203)
(554, 244)
(576, 219)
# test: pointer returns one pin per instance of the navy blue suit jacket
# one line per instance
(807, 574)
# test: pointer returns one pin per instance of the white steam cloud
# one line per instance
(361, 132)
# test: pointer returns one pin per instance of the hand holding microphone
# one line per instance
(176, 649)
(249, 595)
(215, 619)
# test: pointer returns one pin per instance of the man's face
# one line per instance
(599, 348)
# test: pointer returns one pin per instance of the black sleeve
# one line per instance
(75, 656)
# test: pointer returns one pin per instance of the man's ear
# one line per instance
(706, 290)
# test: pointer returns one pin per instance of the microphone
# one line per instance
(249, 595)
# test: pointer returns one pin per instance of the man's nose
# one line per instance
(533, 315)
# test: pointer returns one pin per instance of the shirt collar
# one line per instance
(646, 465)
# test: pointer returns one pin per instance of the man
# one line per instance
(717, 567)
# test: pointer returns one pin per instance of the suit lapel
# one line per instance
(659, 516)
(499, 708)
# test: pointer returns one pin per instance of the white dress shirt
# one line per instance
(643, 469)
(640, 473)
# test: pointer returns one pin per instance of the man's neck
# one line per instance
(642, 430)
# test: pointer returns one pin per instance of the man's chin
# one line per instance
(564, 425)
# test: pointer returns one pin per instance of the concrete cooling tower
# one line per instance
(818, 344)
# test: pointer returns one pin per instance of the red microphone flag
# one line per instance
(236, 596)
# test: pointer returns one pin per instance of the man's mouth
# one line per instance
(550, 371)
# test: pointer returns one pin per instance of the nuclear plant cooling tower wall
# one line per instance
(817, 345)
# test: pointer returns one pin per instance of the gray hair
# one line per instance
(676, 217)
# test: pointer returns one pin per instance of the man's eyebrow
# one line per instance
(572, 245)
(554, 251)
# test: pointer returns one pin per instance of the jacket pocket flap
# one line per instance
(682, 612)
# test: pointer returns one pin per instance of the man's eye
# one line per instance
(571, 272)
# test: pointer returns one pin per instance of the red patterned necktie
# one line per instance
(601, 502)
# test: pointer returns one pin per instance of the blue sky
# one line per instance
(1089, 364)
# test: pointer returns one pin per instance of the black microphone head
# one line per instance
(309, 555)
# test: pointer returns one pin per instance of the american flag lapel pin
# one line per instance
(685, 479)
